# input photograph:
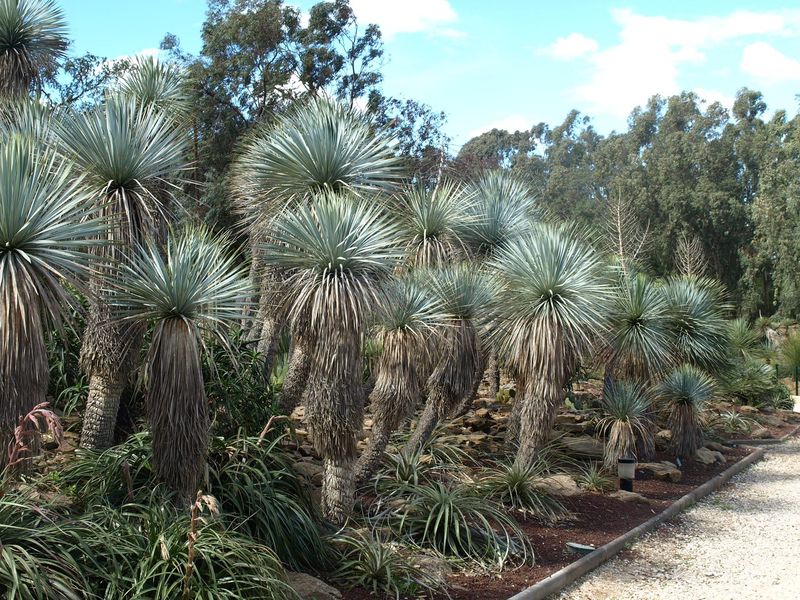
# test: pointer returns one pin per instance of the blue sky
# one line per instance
(514, 63)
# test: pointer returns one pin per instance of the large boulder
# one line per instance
(583, 445)
(664, 470)
(761, 433)
(709, 457)
(663, 439)
(311, 588)
(558, 485)
(309, 469)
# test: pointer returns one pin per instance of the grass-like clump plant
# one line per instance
(626, 424)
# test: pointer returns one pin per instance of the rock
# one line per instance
(709, 457)
(664, 470)
(716, 446)
(663, 439)
(558, 485)
(482, 413)
(311, 470)
(435, 567)
(760, 433)
(311, 588)
(626, 496)
(770, 420)
(299, 413)
(748, 410)
(583, 445)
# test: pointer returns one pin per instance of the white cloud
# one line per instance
(512, 123)
(711, 96)
(409, 16)
(571, 46)
(652, 50)
(145, 53)
(765, 62)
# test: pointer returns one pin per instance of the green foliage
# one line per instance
(515, 486)
(685, 392)
(593, 478)
(753, 382)
(457, 522)
(381, 568)
(734, 422)
(743, 340)
(257, 491)
(790, 352)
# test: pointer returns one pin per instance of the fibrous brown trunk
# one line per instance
(338, 489)
(294, 385)
(102, 405)
(428, 421)
(493, 375)
(513, 423)
(537, 418)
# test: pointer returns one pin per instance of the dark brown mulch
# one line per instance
(597, 520)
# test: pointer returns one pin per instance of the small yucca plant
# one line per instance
(195, 290)
(685, 392)
(153, 82)
(626, 423)
(515, 486)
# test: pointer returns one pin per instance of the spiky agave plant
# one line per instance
(549, 311)
(336, 254)
(129, 154)
(405, 327)
(464, 291)
(626, 423)
(697, 323)
(743, 340)
(685, 391)
(46, 225)
(33, 35)
(638, 339)
(195, 290)
(429, 219)
(153, 82)
(319, 146)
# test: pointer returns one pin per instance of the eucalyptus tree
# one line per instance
(550, 309)
(33, 35)
(407, 327)
(194, 290)
(130, 155)
(503, 207)
(336, 253)
(320, 146)
(46, 225)
(464, 291)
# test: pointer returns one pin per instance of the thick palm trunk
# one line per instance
(537, 418)
(514, 419)
(338, 489)
(370, 460)
(102, 405)
(428, 421)
(493, 375)
(268, 342)
(466, 404)
(294, 385)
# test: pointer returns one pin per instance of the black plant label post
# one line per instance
(626, 470)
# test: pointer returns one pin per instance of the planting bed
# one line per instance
(597, 519)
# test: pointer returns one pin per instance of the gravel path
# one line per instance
(742, 542)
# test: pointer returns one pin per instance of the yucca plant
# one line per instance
(46, 225)
(129, 154)
(429, 223)
(789, 352)
(464, 292)
(697, 324)
(743, 340)
(626, 424)
(153, 82)
(751, 381)
(550, 309)
(380, 567)
(638, 339)
(458, 522)
(318, 146)
(685, 391)
(405, 328)
(336, 254)
(33, 35)
(195, 290)
(592, 478)
(515, 486)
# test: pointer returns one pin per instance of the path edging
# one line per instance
(564, 577)
(779, 440)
